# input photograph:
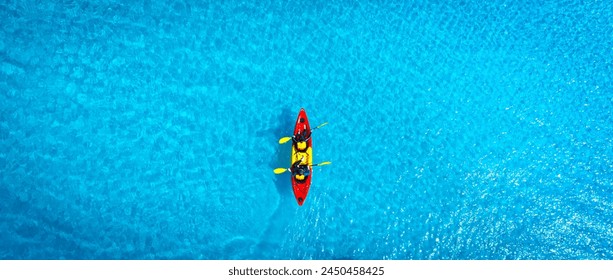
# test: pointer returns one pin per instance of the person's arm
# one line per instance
(295, 165)
(309, 135)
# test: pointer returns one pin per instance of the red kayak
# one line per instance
(302, 131)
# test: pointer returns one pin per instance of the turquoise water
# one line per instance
(149, 129)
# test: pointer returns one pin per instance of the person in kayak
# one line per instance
(301, 140)
(300, 171)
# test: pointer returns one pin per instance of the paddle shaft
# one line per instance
(282, 170)
(287, 138)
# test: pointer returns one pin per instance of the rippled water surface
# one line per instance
(149, 129)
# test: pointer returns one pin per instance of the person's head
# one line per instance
(300, 170)
(301, 145)
(299, 177)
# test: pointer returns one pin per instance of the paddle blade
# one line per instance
(284, 140)
(323, 163)
(280, 170)
(321, 125)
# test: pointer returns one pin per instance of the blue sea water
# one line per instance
(457, 130)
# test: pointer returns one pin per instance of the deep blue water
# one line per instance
(461, 130)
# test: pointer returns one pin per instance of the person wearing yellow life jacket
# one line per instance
(301, 140)
(300, 171)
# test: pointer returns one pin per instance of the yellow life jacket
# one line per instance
(301, 145)
(299, 177)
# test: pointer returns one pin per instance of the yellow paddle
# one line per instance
(287, 138)
(282, 170)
